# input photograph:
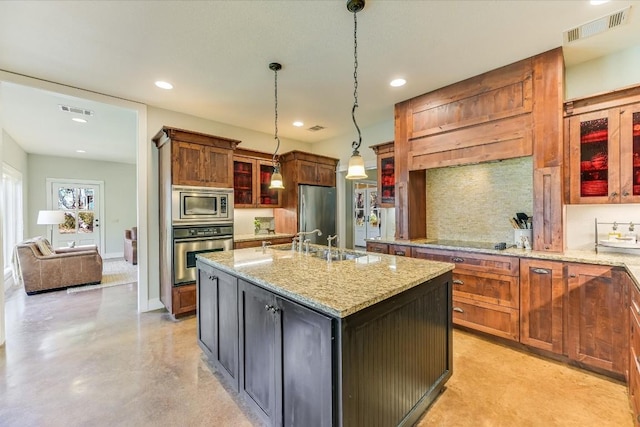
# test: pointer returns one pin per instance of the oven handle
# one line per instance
(200, 239)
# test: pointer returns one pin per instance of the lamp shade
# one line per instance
(356, 168)
(50, 217)
(276, 181)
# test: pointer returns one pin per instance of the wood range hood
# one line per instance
(513, 111)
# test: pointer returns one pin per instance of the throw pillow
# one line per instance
(43, 246)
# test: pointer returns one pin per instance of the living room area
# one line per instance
(70, 193)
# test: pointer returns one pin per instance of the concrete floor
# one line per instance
(90, 359)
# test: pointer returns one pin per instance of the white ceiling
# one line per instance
(216, 54)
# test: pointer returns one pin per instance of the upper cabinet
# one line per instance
(306, 168)
(196, 158)
(386, 174)
(252, 172)
(603, 134)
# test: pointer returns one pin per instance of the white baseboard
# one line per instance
(154, 304)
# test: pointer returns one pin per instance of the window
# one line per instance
(12, 227)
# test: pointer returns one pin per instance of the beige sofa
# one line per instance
(40, 268)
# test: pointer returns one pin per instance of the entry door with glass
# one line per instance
(81, 222)
(366, 213)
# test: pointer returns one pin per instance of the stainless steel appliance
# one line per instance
(317, 209)
(201, 205)
(189, 241)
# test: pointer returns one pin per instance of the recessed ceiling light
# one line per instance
(599, 2)
(398, 82)
(79, 120)
(298, 124)
(164, 85)
(80, 151)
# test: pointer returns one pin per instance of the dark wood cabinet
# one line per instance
(485, 290)
(217, 320)
(603, 152)
(258, 373)
(634, 353)
(381, 248)
(186, 158)
(542, 296)
(252, 172)
(258, 243)
(286, 359)
(399, 250)
(598, 328)
(298, 168)
(386, 174)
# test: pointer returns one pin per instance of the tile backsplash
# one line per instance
(475, 202)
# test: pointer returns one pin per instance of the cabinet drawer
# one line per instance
(400, 250)
(490, 318)
(491, 288)
(381, 248)
(496, 264)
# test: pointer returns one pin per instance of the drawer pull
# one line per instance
(458, 309)
(458, 282)
(400, 253)
(540, 271)
(377, 250)
(457, 259)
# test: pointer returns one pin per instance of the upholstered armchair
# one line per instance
(40, 268)
(131, 245)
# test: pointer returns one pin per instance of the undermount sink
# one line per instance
(338, 256)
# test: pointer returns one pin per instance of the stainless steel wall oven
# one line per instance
(188, 241)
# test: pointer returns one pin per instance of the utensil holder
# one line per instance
(520, 235)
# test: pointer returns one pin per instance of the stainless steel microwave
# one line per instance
(201, 205)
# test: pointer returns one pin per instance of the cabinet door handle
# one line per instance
(458, 309)
(625, 193)
(400, 253)
(271, 308)
(573, 276)
(457, 259)
(213, 278)
(614, 194)
(458, 282)
(540, 271)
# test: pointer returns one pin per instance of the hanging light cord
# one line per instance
(355, 145)
(276, 163)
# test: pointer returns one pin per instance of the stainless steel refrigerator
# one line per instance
(317, 209)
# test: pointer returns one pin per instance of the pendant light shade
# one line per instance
(356, 164)
(276, 176)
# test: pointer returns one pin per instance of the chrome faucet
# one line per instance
(301, 235)
(264, 245)
(293, 243)
(329, 239)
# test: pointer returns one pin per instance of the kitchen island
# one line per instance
(364, 339)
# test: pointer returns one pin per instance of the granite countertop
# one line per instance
(337, 288)
(250, 237)
(629, 261)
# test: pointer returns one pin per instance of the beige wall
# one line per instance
(603, 74)
(119, 193)
(16, 157)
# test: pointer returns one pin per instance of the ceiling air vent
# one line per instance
(315, 128)
(597, 26)
(76, 110)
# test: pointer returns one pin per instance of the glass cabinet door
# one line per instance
(594, 144)
(630, 153)
(243, 182)
(387, 181)
(267, 197)
(594, 155)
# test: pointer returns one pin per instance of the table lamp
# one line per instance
(50, 218)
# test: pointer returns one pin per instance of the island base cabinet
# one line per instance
(217, 320)
(286, 354)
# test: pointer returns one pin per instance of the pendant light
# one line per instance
(356, 164)
(276, 176)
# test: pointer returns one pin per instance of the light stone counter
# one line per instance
(628, 261)
(252, 237)
(337, 288)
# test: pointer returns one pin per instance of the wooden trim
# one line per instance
(602, 101)
(301, 155)
(385, 147)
